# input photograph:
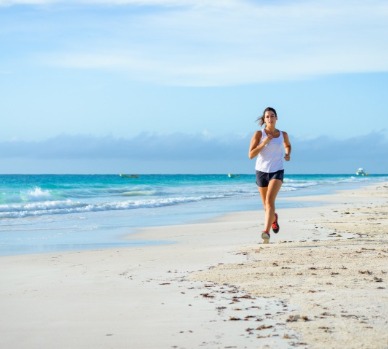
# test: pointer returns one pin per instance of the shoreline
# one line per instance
(201, 290)
(52, 233)
(103, 220)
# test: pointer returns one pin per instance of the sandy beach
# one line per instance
(320, 283)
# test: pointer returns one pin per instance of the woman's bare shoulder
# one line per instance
(256, 138)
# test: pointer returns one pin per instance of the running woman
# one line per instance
(270, 146)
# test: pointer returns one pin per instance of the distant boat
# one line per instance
(361, 172)
(123, 175)
(232, 175)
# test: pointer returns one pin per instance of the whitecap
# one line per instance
(36, 194)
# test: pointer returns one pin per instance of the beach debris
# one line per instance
(325, 328)
(221, 308)
(295, 318)
(207, 295)
(267, 336)
(248, 317)
(188, 331)
(264, 327)
(246, 296)
(350, 316)
(244, 253)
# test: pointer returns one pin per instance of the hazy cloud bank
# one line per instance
(195, 153)
(147, 146)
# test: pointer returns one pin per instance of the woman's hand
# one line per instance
(287, 157)
(268, 139)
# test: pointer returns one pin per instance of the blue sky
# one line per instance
(159, 86)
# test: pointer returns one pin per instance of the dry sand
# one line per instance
(320, 283)
(335, 290)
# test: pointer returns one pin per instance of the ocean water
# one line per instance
(44, 213)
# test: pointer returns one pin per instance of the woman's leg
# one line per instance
(268, 196)
(263, 193)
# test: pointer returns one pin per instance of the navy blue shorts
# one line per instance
(263, 178)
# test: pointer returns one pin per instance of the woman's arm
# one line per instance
(255, 147)
(287, 147)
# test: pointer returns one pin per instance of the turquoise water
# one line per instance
(42, 213)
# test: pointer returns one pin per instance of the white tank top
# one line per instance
(270, 159)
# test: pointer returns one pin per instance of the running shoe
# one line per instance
(275, 224)
(265, 236)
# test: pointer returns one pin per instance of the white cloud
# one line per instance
(167, 3)
(26, 2)
(218, 42)
(246, 43)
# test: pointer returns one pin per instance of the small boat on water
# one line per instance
(123, 175)
(361, 172)
(232, 175)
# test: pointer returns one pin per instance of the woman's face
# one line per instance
(270, 118)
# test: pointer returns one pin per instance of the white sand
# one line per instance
(321, 283)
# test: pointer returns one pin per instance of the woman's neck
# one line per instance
(270, 129)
